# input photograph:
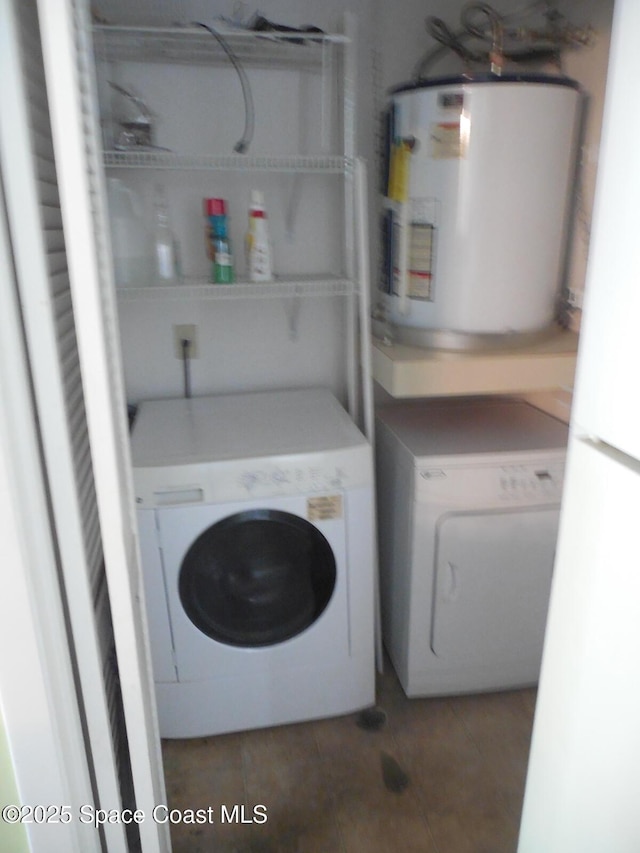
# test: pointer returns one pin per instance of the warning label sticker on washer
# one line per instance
(324, 508)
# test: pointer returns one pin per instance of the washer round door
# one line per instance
(257, 578)
(255, 586)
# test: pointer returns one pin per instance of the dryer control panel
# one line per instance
(518, 481)
(513, 483)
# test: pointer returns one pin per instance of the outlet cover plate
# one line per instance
(186, 331)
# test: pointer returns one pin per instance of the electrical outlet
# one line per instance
(185, 332)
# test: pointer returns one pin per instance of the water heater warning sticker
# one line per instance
(451, 100)
(324, 508)
(447, 140)
(421, 244)
(417, 275)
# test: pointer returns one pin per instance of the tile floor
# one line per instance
(440, 776)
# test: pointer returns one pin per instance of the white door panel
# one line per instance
(607, 402)
(584, 769)
(164, 668)
(493, 574)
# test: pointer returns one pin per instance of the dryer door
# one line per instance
(493, 578)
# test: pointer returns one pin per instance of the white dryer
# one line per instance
(468, 496)
(256, 526)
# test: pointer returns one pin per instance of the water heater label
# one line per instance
(421, 250)
(447, 141)
(451, 100)
(421, 241)
(324, 508)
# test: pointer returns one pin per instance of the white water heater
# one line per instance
(480, 190)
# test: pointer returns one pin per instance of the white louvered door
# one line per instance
(69, 70)
(53, 201)
(37, 240)
(39, 710)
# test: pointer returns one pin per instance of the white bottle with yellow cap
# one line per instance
(259, 262)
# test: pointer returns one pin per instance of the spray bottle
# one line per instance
(218, 245)
(259, 263)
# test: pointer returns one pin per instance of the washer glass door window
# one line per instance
(257, 578)
(254, 581)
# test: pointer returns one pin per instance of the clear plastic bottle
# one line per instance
(164, 243)
(258, 247)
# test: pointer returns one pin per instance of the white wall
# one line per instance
(247, 345)
(242, 345)
(589, 66)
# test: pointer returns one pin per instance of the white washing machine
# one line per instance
(256, 528)
(468, 498)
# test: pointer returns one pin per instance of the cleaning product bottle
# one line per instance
(165, 255)
(218, 245)
(259, 262)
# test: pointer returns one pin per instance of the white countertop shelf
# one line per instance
(290, 286)
(158, 159)
(405, 371)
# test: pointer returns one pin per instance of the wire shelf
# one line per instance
(196, 46)
(150, 159)
(199, 288)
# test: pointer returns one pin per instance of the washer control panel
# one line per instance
(258, 478)
(305, 479)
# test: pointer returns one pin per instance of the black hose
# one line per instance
(447, 40)
(495, 20)
(543, 46)
(242, 145)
